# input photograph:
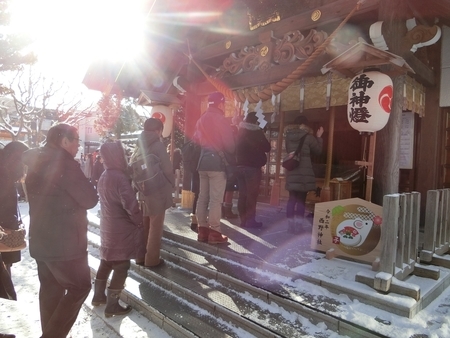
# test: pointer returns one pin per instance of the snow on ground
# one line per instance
(433, 321)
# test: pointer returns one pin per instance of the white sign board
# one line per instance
(407, 141)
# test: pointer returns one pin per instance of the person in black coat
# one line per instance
(251, 148)
(97, 170)
(11, 171)
(59, 195)
(302, 179)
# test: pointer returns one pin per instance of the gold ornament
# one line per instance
(228, 44)
(316, 15)
(264, 51)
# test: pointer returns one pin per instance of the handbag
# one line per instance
(292, 160)
(12, 240)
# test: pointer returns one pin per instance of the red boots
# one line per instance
(216, 237)
(210, 236)
(203, 233)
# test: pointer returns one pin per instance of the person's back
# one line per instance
(59, 196)
(251, 149)
(301, 179)
(121, 231)
(216, 139)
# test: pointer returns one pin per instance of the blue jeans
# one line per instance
(249, 179)
(209, 205)
(296, 204)
(64, 287)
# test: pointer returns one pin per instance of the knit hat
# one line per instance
(301, 120)
(251, 117)
(216, 98)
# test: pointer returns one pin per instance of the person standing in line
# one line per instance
(302, 179)
(216, 139)
(121, 231)
(88, 166)
(11, 171)
(97, 170)
(251, 148)
(155, 204)
(59, 197)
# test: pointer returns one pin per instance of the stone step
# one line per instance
(228, 287)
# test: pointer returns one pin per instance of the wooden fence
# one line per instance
(437, 228)
(400, 247)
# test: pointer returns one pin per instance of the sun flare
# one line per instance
(69, 35)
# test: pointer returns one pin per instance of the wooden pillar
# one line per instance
(387, 172)
(325, 193)
(275, 193)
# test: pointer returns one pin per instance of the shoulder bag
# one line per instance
(292, 160)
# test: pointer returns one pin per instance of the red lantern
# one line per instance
(164, 114)
(369, 101)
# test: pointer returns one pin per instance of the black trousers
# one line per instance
(120, 273)
(296, 204)
(249, 180)
(64, 287)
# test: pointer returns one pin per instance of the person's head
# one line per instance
(113, 155)
(251, 118)
(153, 124)
(11, 158)
(301, 120)
(216, 100)
(64, 136)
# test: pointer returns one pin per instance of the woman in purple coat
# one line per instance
(121, 231)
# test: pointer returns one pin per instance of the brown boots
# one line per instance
(210, 236)
(113, 308)
(99, 292)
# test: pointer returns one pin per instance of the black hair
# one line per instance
(58, 132)
(153, 124)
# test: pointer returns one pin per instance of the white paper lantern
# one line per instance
(369, 101)
(164, 114)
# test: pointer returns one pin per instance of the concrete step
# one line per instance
(228, 291)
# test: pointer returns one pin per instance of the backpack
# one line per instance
(147, 174)
(190, 152)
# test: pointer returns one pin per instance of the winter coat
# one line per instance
(59, 195)
(251, 146)
(156, 203)
(302, 178)
(9, 217)
(214, 134)
(121, 231)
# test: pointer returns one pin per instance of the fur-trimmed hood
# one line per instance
(249, 126)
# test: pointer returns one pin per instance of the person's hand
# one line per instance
(319, 132)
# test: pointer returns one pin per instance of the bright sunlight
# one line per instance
(68, 35)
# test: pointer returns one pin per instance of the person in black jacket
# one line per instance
(302, 179)
(11, 170)
(251, 148)
(59, 196)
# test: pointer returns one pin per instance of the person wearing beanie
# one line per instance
(252, 147)
(155, 204)
(302, 179)
(215, 136)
